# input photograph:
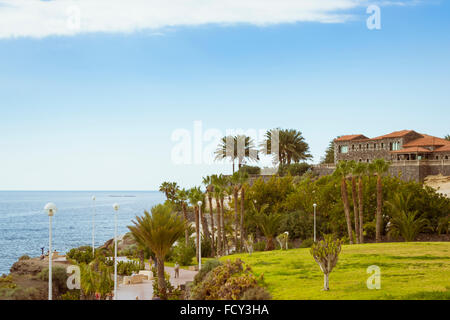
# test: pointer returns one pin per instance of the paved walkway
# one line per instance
(144, 291)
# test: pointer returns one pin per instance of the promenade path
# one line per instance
(144, 291)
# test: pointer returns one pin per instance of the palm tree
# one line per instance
(267, 223)
(243, 181)
(170, 189)
(380, 167)
(182, 197)
(159, 231)
(195, 195)
(360, 171)
(238, 147)
(235, 184)
(404, 221)
(291, 146)
(342, 170)
(207, 181)
(220, 183)
(353, 173)
(447, 137)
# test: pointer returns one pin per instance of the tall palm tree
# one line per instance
(291, 146)
(169, 189)
(238, 148)
(159, 231)
(207, 181)
(342, 170)
(269, 224)
(360, 171)
(353, 174)
(182, 197)
(220, 183)
(195, 195)
(235, 182)
(243, 182)
(380, 167)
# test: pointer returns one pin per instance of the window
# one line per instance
(367, 146)
(353, 147)
(394, 146)
(374, 145)
(446, 157)
(382, 145)
(343, 149)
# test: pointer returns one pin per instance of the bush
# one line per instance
(250, 169)
(307, 243)
(294, 169)
(183, 254)
(19, 293)
(126, 268)
(259, 246)
(59, 278)
(256, 293)
(81, 255)
(71, 295)
(228, 281)
(206, 268)
(24, 257)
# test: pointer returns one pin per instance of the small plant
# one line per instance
(184, 254)
(59, 278)
(206, 268)
(326, 253)
(71, 295)
(81, 255)
(256, 293)
(126, 268)
(307, 243)
(24, 257)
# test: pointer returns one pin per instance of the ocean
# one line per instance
(24, 223)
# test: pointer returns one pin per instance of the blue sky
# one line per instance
(96, 110)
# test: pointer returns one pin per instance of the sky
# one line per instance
(106, 95)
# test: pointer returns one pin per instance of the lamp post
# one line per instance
(93, 227)
(200, 235)
(116, 208)
(51, 209)
(314, 205)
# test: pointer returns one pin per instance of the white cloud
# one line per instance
(37, 18)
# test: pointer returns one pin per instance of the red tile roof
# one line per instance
(443, 148)
(351, 137)
(395, 134)
(412, 150)
(427, 140)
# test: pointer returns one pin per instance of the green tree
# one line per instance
(329, 153)
(207, 182)
(169, 189)
(182, 196)
(269, 224)
(447, 137)
(159, 231)
(359, 171)
(291, 146)
(379, 167)
(342, 170)
(195, 195)
(326, 253)
(353, 175)
(404, 221)
(238, 148)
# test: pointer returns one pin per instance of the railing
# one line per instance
(442, 162)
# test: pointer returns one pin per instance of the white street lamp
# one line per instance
(51, 209)
(314, 205)
(93, 226)
(116, 208)
(200, 236)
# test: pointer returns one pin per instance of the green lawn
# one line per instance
(417, 270)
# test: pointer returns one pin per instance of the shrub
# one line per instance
(250, 169)
(206, 268)
(81, 255)
(172, 293)
(294, 169)
(226, 282)
(19, 293)
(71, 295)
(59, 278)
(24, 257)
(256, 293)
(184, 254)
(126, 268)
(307, 243)
(259, 246)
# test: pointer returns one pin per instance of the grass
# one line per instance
(415, 270)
